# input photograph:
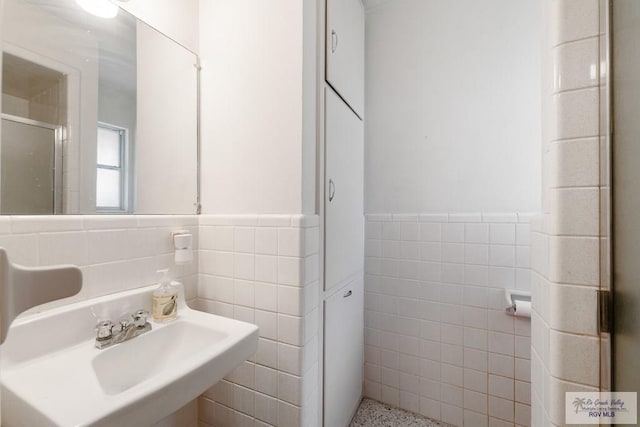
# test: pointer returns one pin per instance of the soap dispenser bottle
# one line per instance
(165, 299)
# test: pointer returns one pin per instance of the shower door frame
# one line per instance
(605, 294)
(58, 155)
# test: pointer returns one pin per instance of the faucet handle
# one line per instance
(104, 330)
(140, 318)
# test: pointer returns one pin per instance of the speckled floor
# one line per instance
(375, 414)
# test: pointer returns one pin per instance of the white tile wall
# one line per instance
(566, 250)
(437, 339)
(115, 253)
(264, 270)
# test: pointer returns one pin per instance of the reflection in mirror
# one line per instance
(98, 115)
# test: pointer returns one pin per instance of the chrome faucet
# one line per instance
(109, 333)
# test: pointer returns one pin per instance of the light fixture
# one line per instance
(99, 8)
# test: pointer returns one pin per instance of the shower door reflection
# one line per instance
(28, 158)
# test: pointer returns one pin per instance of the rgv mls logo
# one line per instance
(596, 408)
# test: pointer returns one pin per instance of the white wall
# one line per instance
(178, 20)
(252, 107)
(453, 106)
(165, 156)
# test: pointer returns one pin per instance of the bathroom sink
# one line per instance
(52, 375)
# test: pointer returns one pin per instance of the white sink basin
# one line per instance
(52, 375)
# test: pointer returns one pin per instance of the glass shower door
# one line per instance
(27, 166)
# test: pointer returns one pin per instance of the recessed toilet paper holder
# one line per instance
(515, 296)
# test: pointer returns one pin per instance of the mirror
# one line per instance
(98, 115)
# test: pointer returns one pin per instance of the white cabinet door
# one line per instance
(344, 176)
(343, 353)
(345, 51)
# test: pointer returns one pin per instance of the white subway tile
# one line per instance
(465, 217)
(431, 232)
(502, 256)
(452, 354)
(409, 401)
(523, 232)
(452, 375)
(577, 114)
(573, 20)
(575, 211)
(289, 300)
(500, 364)
(475, 359)
(453, 252)
(523, 414)
(289, 359)
(451, 414)
(441, 218)
(373, 229)
(475, 419)
(410, 231)
(22, 249)
(475, 401)
(288, 415)
(243, 293)
(501, 408)
(475, 317)
(244, 239)
(267, 353)
(289, 388)
(501, 343)
(475, 338)
(390, 231)
(410, 250)
(452, 334)
(266, 409)
(523, 392)
(503, 234)
(379, 217)
(501, 387)
(451, 314)
(452, 394)
(452, 273)
(265, 220)
(290, 242)
(476, 233)
(290, 271)
(476, 275)
(475, 380)
(453, 233)
(63, 248)
(244, 266)
(574, 260)
(266, 241)
(576, 64)
(502, 277)
(430, 251)
(373, 248)
(499, 217)
(266, 268)
(38, 224)
(476, 254)
(575, 163)
(573, 357)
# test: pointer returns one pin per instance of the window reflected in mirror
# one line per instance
(98, 115)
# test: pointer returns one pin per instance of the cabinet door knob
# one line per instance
(347, 295)
(334, 41)
(332, 190)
